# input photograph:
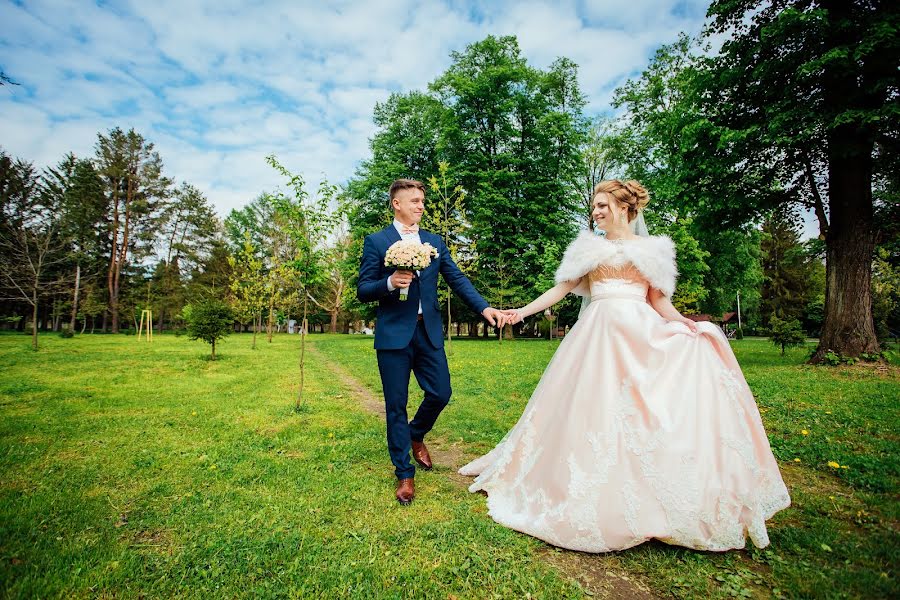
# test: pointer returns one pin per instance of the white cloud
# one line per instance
(219, 85)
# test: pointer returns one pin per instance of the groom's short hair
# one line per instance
(403, 184)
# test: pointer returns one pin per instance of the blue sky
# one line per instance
(218, 85)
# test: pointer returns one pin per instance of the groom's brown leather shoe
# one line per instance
(406, 491)
(420, 453)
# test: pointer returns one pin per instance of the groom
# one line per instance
(408, 334)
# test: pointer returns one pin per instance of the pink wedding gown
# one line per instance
(638, 429)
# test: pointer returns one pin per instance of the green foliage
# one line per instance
(803, 94)
(302, 224)
(208, 320)
(885, 292)
(790, 274)
(248, 286)
(786, 333)
(512, 136)
(692, 268)
(446, 215)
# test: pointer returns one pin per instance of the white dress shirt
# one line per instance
(405, 237)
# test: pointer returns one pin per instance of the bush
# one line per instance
(739, 333)
(786, 334)
(208, 320)
(66, 333)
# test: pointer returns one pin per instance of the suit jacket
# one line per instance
(396, 319)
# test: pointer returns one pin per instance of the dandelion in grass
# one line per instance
(804, 431)
(833, 464)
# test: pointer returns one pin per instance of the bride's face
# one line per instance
(606, 212)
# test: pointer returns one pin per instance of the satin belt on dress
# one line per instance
(619, 289)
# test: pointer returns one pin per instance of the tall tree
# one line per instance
(30, 240)
(599, 154)
(248, 290)
(187, 227)
(78, 191)
(132, 174)
(405, 145)
(512, 134)
(787, 270)
(663, 121)
(815, 74)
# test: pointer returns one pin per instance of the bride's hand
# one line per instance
(690, 324)
(513, 316)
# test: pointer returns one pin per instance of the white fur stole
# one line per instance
(653, 256)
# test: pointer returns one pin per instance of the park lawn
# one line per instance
(132, 469)
(840, 537)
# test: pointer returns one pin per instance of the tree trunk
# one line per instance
(75, 297)
(334, 320)
(114, 314)
(271, 320)
(214, 349)
(303, 332)
(848, 328)
(255, 328)
(34, 320)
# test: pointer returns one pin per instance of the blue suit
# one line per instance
(405, 343)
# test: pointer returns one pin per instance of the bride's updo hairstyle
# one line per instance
(630, 193)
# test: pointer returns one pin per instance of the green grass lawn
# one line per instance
(134, 469)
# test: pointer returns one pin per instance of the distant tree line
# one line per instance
(795, 113)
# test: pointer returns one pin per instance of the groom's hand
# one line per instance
(401, 279)
(494, 317)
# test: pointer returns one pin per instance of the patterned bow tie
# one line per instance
(411, 229)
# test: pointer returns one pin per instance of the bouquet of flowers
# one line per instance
(409, 256)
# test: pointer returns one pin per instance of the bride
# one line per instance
(642, 425)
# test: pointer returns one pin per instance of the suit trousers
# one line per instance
(429, 364)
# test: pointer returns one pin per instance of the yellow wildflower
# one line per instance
(796, 460)
(804, 432)
(844, 467)
(833, 464)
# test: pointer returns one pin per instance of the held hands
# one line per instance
(499, 318)
(496, 318)
(513, 316)
(402, 279)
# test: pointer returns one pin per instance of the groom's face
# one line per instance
(409, 205)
